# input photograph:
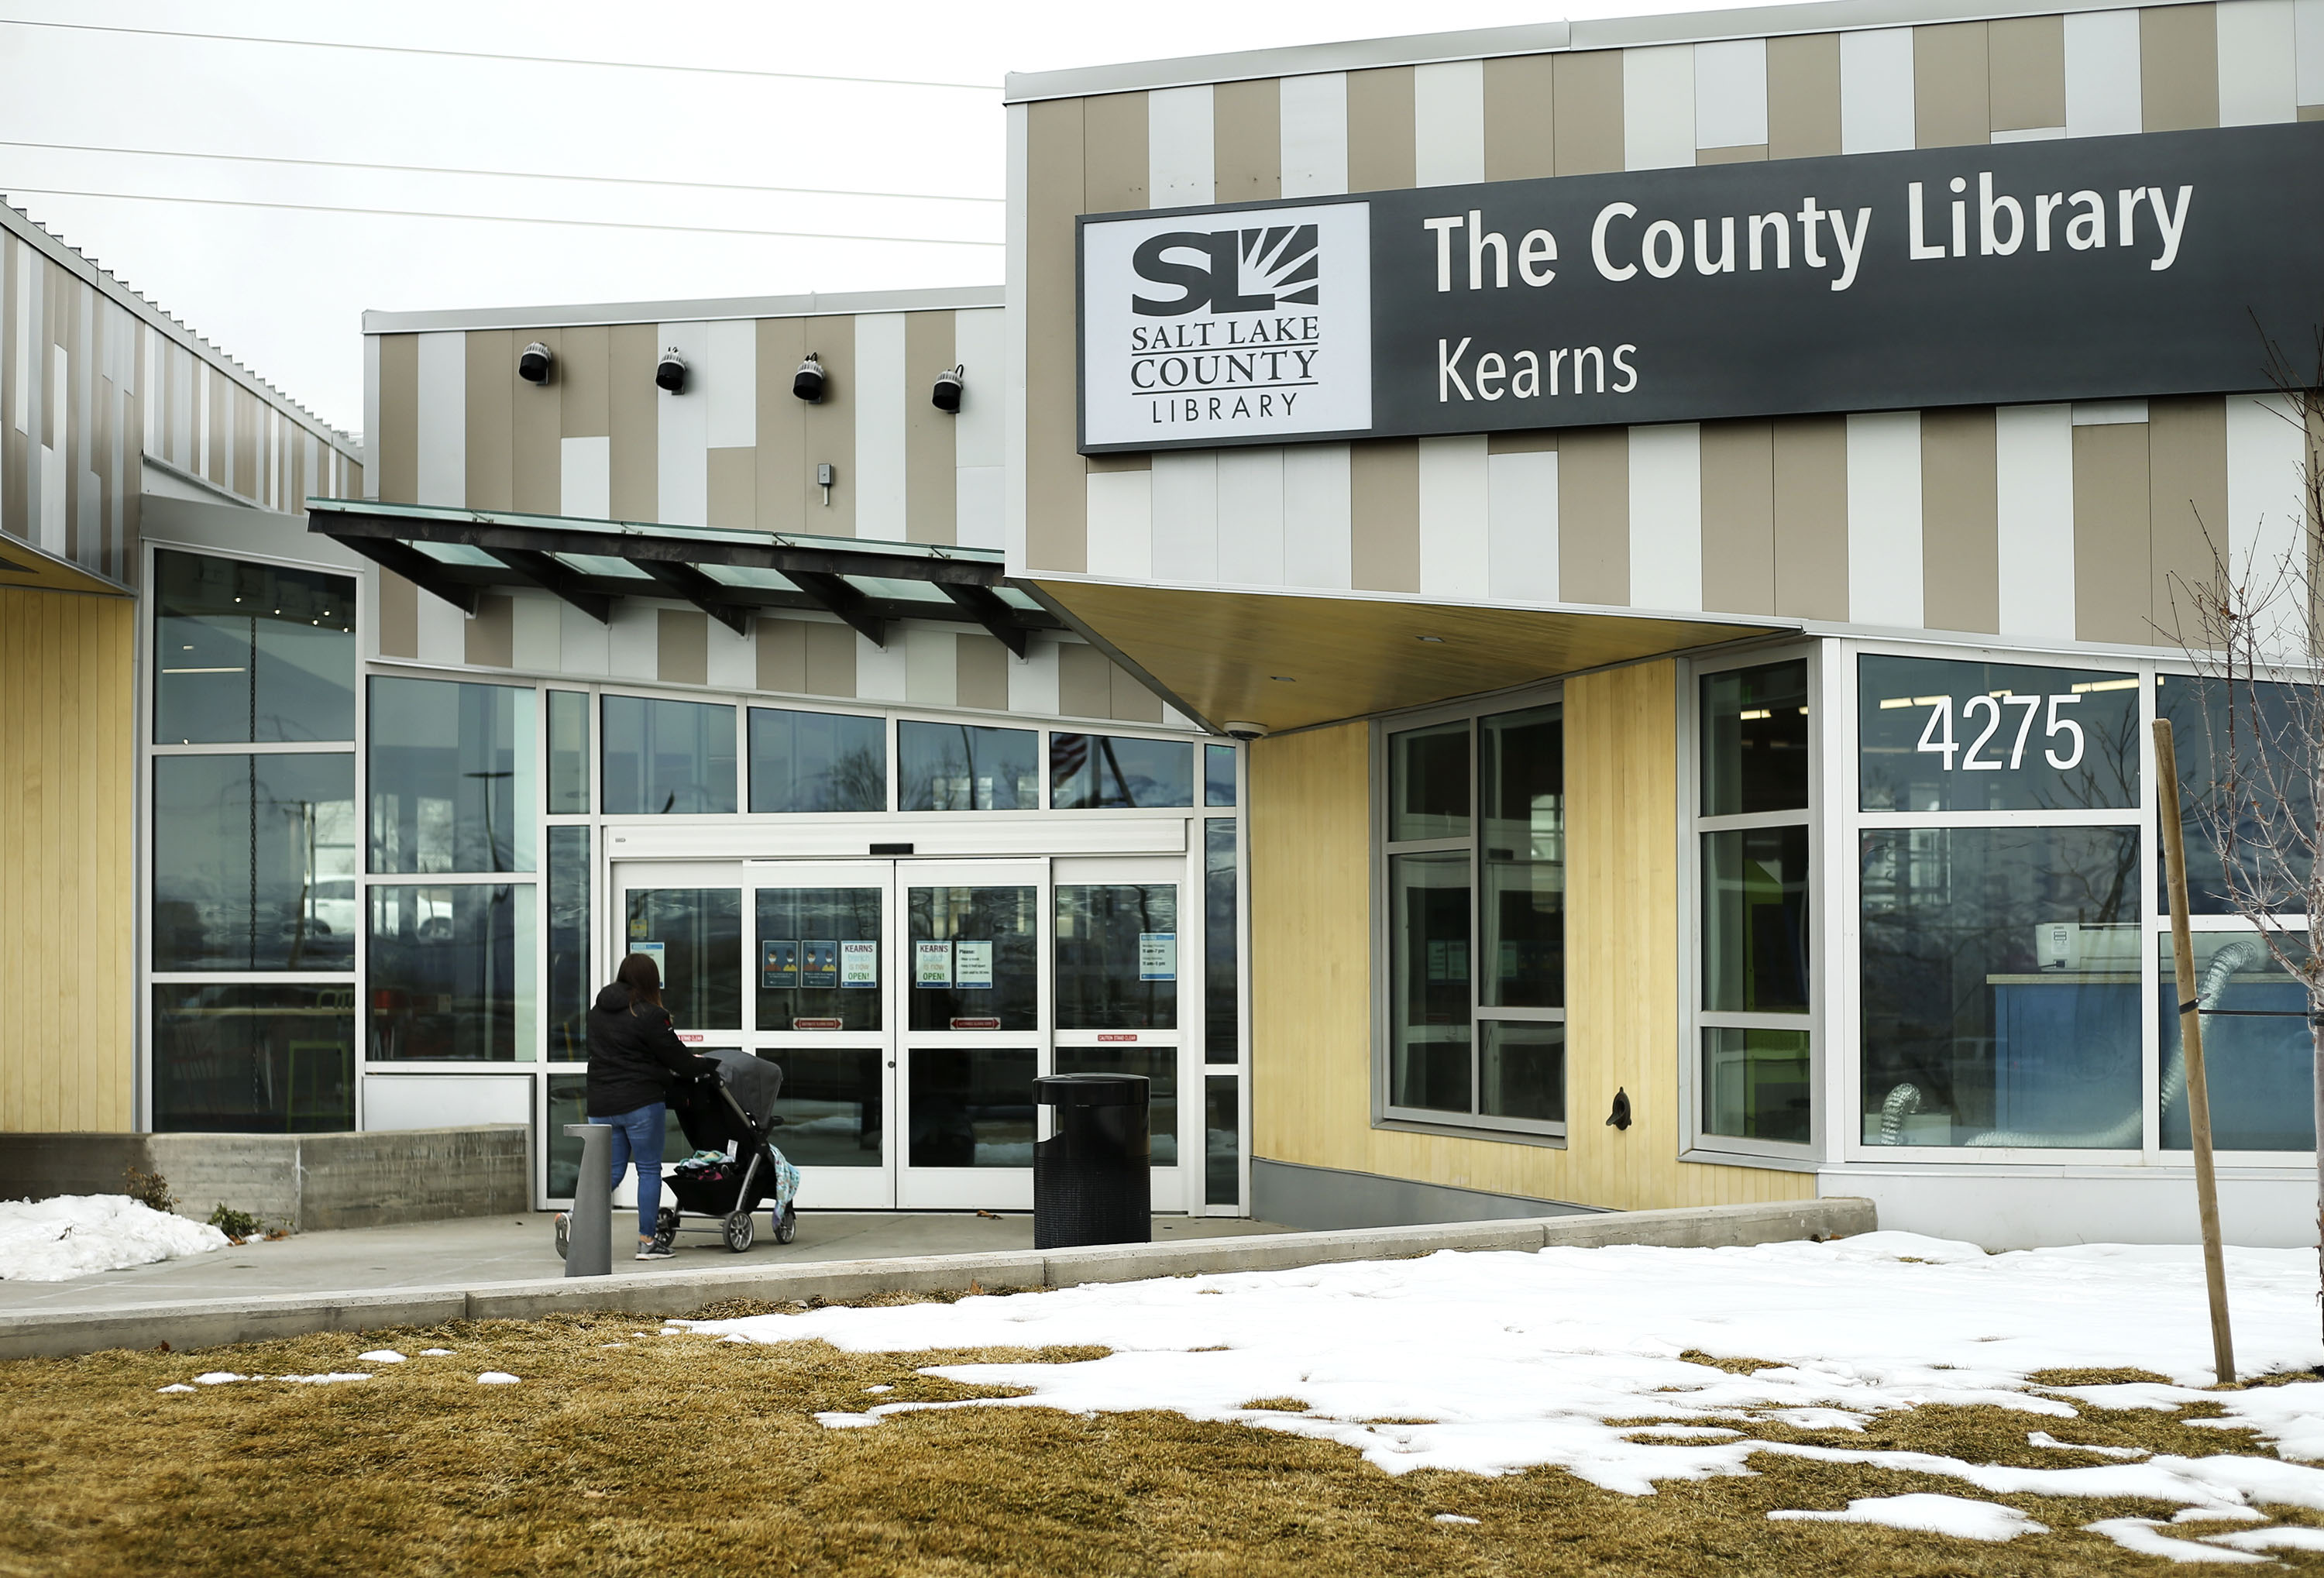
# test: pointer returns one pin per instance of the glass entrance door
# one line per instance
(1117, 949)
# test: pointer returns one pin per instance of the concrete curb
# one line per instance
(212, 1322)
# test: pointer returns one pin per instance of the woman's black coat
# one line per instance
(634, 1055)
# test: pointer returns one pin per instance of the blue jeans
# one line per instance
(637, 1136)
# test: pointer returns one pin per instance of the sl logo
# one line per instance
(1241, 271)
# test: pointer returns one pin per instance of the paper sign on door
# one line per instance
(859, 963)
(932, 964)
(818, 964)
(654, 951)
(971, 965)
(1157, 956)
(782, 965)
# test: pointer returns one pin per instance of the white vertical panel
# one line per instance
(981, 343)
(1452, 502)
(584, 477)
(1033, 679)
(979, 492)
(2258, 62)
(1730, 93)
(153, 434)
(2103, 98)
(1667, 517)
(1658, 108)
(2309, 26)
(2266, 504)
(443, 430)
(1250, 517)
(634, 641)
(1185, 517)
(20, 329)
(1313, 112)
(200, 464)
(880, 377)
(730, 383)
(184, 435)
(1318, 517)
(1448, 123)
(733, 662)
(1876, 90)
(1884, 519)
(1013, 470)
(535, 633)
(931, 666)
(584, 646)
(882, 673)
(1180, 168)
(443, 632)
(51, 517)
(1521, 527)
(1121, 524)
(682, 431)
(2033, 482)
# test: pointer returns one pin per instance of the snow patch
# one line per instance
(496, 1377)
(78, 1235)
(380, 1356)
(1957, 1515)
(434, 1353)
(2270, 1539)
(1452, 1518)
(2141, 1535)
(2044, 1438)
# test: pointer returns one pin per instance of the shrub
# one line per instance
(150, 1189)
(237, 1225)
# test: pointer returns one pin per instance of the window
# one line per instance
(1475, 870)
(254, 862)
(1218, 775)
(450, 972)
(817, 761)
(1107, 772)
(2215, 723)
(568, 753)
(664, 758)
(959, 767)
(254, 1059)
(251, 653)
(1753, 836)
(1222, 945)
(452, 779)
(570, 988)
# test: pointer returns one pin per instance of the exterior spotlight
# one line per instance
(946, 395)
(808, 381)
(1238, 728)
(670, 373)
(532, 364)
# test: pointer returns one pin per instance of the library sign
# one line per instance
(2075, 269)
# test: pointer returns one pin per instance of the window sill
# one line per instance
(1456, 1130)
(1801, 1160)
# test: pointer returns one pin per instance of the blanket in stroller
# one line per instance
(710, 1183)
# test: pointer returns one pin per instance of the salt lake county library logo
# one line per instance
(1219, 326)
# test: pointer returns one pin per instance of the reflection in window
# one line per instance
(1755, 1083)
(1221, 1142)
(2220, 732)
(668, 758)
(974, 959)
(254, 862)
(452, 780)
(451, 973)
(958, 767)
(254, 1059)
(831, 1109)
(1218, 775)
(568, 1102)
(1429, 1046)
(1754, 920)
(1159, 1065)
(818, 964)
(695, 938)
(251, 653)
(1221, 945)
(1521, 768)
(2001, 986)
(1755, 740)
(1113, 771)
(971, 1108)
(568, 753)
(1940, 735)
(1521, 1070)
(1428, 783)
(2258, 1064)
(1117, 957)
(817, 761)
(571, 989)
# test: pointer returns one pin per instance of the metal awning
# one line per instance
(456, 554)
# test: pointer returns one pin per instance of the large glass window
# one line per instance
(1521, 772)
(1222, 1141)
(2222, 731)
(1222, 945)
(452, 778)
(668, 758)
(251, 653)
(817, 761)
(571, 989)
(1106, 772)
(1218, 775)
(1428, 783)
(250, 1058)
(960, 767)
(451, 973)
(568, 753)
(1940, 735)
(1117, 957)
(254, 862)
(695, 936)
(2258, 1059)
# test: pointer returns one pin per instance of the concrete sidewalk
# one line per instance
(522, 1249)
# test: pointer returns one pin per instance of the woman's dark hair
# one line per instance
(642, 977)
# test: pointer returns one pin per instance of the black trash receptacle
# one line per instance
(1093, 1182)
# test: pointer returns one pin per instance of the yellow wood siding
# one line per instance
(1310, 968)
(68, 807)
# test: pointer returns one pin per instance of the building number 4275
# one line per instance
(1937, 737)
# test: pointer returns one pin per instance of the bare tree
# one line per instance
(2252, 630)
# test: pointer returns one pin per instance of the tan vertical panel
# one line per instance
(1960, 566)
(1586, 107)
(931, 506)
(1381, 150)
(1804, 95)
(1593, 515)
(1811, 472)
(395, 448)
(1247, 141)
(1520, 129)
(584, 381)
(734, 488)
(1738, 518)
(781, 452)
(1056, 485)
(827, 430)
(982, 666)
(1742, 153)
(1950, 103)
(830, 660)
(2179, 67)
(1114, 169)
(2112, 546)
(249, 451)
(633, 421)
(1084, 681)
(2025, 72)
(491, 634)
(782, 654)
(1130, 701)
(681, 646)
(1384, 481)
(536, 428)
(492, 417)
(2187, 498)
(399, 616)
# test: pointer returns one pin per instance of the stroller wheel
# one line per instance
(666, 1220)
(786, 1225)
(564, 1233)
(741, 1232)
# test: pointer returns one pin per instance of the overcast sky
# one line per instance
(98, 121)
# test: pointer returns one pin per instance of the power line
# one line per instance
(235, 38)
(707, 186)
(494, 218)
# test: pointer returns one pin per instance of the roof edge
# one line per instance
(816, 304)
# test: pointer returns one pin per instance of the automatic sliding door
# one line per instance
(1117, 926)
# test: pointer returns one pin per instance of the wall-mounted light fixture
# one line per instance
(670, 373)
(808, 381)
(533, 363)
(945, 397)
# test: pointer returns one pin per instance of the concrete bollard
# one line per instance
(589, 1243)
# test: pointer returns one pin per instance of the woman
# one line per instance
(633, 1057)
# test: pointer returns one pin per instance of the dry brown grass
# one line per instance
(682, 1456)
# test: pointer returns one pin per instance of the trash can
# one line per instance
(1093, 1182)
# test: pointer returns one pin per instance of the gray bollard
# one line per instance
(589, 1243)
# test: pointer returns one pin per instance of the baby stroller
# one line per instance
(733, 1171)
